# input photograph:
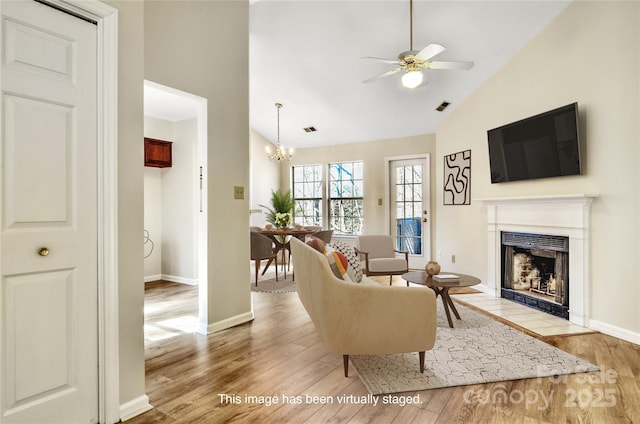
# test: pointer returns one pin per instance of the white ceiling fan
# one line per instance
(412, 61)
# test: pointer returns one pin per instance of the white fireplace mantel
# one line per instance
(560, 215)
(556, 198)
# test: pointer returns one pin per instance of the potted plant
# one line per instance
(280, 212)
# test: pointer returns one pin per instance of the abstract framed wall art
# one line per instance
(457, 178)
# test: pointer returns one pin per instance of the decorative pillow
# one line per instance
(349, 253)
(315, 242)
(339, 264)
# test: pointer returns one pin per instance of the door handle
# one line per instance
(43, 251)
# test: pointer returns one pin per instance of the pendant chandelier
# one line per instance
(280, 153)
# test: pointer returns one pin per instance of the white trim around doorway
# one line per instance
(200, 224)
(106, 18)
(387, 192)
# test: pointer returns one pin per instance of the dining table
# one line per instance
(281, 237)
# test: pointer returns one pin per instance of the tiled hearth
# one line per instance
(539, 323)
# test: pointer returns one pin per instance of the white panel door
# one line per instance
(409, 209)
(48, 216)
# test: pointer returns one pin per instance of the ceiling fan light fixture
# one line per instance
(412, 79)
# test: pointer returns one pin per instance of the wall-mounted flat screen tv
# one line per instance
(541, 146)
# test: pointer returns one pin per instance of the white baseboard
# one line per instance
(484, 289)
(152, 278)
(176, 279)
(172, 278)
(615, 331)
(228, 323)
(135, 407)
(593, 324)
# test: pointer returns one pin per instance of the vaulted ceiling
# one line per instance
(306, 54)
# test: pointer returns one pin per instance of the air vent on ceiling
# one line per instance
(442, 106)
(310, 129)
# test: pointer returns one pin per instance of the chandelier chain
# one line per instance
(280, 153)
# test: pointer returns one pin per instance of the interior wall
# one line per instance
(264, 177)
(184, 44)
(130, 200)
(162, 130)
(153, 224)
(170, 198)
(179, 252)
(556, 68)
(373, 155)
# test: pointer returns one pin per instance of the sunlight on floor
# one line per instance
(170, 328)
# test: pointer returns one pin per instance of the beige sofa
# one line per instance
(363, 318)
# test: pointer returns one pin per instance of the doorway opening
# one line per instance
(175, 217)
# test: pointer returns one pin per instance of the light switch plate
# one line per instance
(238, 192)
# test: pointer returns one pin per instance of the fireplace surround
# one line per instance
(560, 215)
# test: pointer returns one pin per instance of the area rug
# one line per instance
(267, 283)
(478, 350)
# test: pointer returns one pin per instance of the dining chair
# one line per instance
(324, 235)
(261, 249)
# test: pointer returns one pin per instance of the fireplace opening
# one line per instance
(535, 271)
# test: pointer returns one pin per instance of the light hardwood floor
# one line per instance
(280, 355)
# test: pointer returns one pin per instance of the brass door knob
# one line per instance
(43, 251)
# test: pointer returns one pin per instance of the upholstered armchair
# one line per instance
(379, 257)
(262, 248)
(363, 318)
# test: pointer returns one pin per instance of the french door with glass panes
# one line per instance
(409, 208)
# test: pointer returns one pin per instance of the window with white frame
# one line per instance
(346, 197)
(307, 194)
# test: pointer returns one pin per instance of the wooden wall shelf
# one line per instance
(157, 153)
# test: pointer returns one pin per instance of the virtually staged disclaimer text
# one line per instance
(235, 399)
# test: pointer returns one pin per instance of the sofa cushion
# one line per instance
(339, 264)
(349, 253)
(315, 242)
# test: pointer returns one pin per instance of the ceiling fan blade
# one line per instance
(430, 51)
(449, 65)
(379, 59)
(386, 74)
